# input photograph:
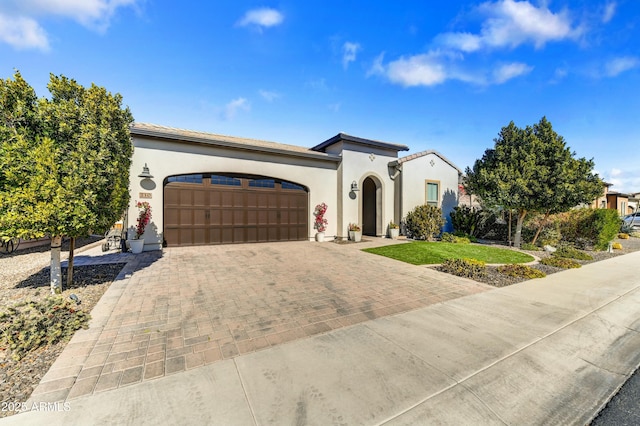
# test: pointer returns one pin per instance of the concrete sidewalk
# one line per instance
(547, 351)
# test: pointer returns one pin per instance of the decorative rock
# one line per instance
(550, 249)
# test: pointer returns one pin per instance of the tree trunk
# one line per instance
(535, 237)
(72, 246)
(517, 240)
(509, 236)
(56, 279)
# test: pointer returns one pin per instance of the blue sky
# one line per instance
(431, 75)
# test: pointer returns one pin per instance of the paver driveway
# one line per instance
(194, 306)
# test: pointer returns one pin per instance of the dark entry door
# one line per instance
(369, 207)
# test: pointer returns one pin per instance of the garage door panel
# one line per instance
(227, 218)
(200, 198)
(252, 217)
(239, 217)
(171, 217)
(205, 213)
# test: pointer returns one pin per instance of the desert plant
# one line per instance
(29, 325)
(616, 246)
(467, 268)
(393, 225)
(560, 262)
(572, 253)
(451, 238)
(529, 246)
(623, 236)
(626, 228)
(424, 222)
(521, 271)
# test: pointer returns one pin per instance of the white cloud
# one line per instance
(233, 107)
(609, 12)
(619, 65)
(23, 33)
(349, 51)
(261, 18)
(269, 95)
(419, 70)
(509, 71)
(511, 23)
(19, 26)
(335, 107)
(427, 69)
(625, 181)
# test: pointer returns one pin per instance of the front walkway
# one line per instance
(190, 307)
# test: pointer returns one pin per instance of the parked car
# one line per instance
(633, 219)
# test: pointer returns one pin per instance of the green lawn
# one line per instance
(424, 253)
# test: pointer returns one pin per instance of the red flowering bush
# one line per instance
(320, 222)
(144, 217)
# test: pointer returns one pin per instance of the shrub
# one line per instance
(560, 262)
(616, 246)
(521, 271)
(529, 246)
(585, 227)
(471, 238)
(29, 325)
(451, 238)
(623, 236)
(469, 220)
(424, 222)
(572, 253)
(467, 268)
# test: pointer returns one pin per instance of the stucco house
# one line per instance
(213, 189)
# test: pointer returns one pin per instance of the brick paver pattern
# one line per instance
(197, 305)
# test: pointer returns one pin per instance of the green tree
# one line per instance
(532, 170)
(65, 162)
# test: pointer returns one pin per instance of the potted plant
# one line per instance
(394, 230)
(144, 217)
(355, 233)
(320, 223)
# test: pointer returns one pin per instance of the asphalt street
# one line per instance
(624, 407)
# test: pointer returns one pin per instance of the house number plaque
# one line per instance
(145, 195)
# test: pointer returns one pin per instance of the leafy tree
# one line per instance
(532, 170)
(65, 162)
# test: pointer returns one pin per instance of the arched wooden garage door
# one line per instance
(224, 209)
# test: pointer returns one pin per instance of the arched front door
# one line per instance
(369, 207)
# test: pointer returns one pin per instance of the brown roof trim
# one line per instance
(422, 154)
(360, 141)
(192, 136)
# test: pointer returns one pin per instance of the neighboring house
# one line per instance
(601, 201)
(618, 201)
(212, 189)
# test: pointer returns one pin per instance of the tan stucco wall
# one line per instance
(416, 172)
(167, 158)
(357, 165)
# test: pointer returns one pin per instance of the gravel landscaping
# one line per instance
(497, 279)
(24, 276)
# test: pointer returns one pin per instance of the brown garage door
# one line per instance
(223, 209)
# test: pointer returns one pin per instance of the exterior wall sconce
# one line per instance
(354, 186)
(145, 173)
